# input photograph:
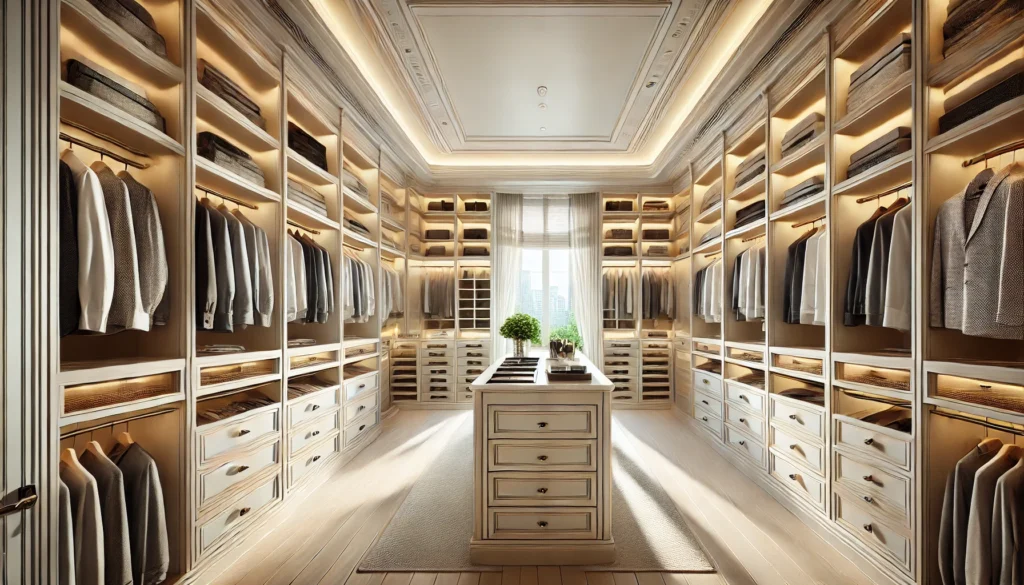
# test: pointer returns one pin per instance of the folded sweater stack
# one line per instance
(226, 155)
(221, 85)
(308, 147)
(891, 144)
(879, 70)
(969, 20)
(750, 213)
(96, 81)
(751, 167)
(135, 20)
(712, 197)
(803, 132)
(985, 94)
(307, 196)
(803, 190)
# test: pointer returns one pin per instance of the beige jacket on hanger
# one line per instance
(978, 565)
(1007, 519)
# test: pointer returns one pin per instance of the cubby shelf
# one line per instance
(309, 172)
(213, 176)
(96, 114)
(212, 108)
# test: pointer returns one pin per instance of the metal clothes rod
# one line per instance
(884, 193)
(102, 151)
(226, 197)
(979, 422)
(302, 227)
(751, 238)
(77, 432)
(808, 222)
(104, 137)
(994, 153)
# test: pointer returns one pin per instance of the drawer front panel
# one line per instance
(708, 403)
(238, 513)
(874, 444)
(464, 395)
(707, 383)
(216, 481)
(437, 362)
(619, 362)
(740, 396)
(512, 488)
(555, 422)
(439, 396)
(745, 445)
(804, 452)
(542, 523)
(359, 428)
(863, 478)
(805, 419)
(484, 345)
(473, 352)
(357, 408)
(617, 345)
(237, 435)
(745, 421)
(512, 455)
(626, 371)
(305, 465)
(867, 528)
(707, 420)
(312, 408)
(313, 432)
(357, 388)
(801, 482)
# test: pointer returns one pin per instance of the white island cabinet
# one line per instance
(542, 471)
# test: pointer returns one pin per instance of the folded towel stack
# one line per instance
(626, 205)
(880, 69)
(657, 250)
(355, 226)
(227, 155)
(303, 143)
(655, 205)
(476, 206)
(474, 233)
(436, 251)
(803, 132)
(751, 167)
(221, 85)
(803, 190)
(886, 146)
(996, 88)
(95, 83)
(307, 196)
(475, 251)
(438, 235)
(711, 234)
(440, 206)
(750, 213)
(351, 180)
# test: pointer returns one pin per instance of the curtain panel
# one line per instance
(507, 227)
(585, 245)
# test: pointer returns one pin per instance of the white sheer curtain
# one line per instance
(585, 243)
(508, 218)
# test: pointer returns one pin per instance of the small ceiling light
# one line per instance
(542, 91)
(543, 129)
(542, 106)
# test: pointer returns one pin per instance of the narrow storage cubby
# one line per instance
(438, 225)
(681, 219)
(433, 294)
(394, 221)
(221, 373)
(362, 281)
(474, 292)
(989, 389)
(314, 418)
(746, 354)
(876, 428)
(807, 364)
(404, 371)
(888, 373)
(710, 348)
(619, 277)
(361, 196)
(745, 412)
(312, 359)
(97, 393)
(656, 371)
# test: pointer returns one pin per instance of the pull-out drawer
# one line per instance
(483, 344)
(238, 513)
(624, 397)
(550, 422)
(519, 455)
(436, 353)
(867, 528)
(235, 435)
(360, 386)
(807, 419)
(435, 362)
(312, 407)
(620, 371)
(619, 362)
(802, 451)
(753, 401)
(623, 344)
(707, 420)
(304, 465)
(542, 523)
(359, 407)
(887, 491)
(708, 403)
(471, 371)
(218, 480)
(874, 443)
(517, 488)
(745, 445)
(312, 432)
(473, 352)
(803, 483)
(745, 421)
(464, 395)
(360, 427)
(431, 396)
(437, 371)
(707, 383)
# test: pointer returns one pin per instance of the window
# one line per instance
(545, 288)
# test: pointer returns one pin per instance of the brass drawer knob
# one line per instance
(869, 442)
(869, 478)
(244, 511)
(869, 527)
(542, 524)
(792, 476)
(868, 499)
(314, 433)
(241, 468)
(316, 458)
(243, 432)
(542, 490)
(542, 424)
(542, 457)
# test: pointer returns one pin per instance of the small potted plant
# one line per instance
(520, 328)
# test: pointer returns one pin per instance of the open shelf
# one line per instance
(213, 109)
(879, 177)
(309, 172)
(96, 114)
(802, 210)
(309, 218)
(890, 102)
(213, 176)
(806, 157)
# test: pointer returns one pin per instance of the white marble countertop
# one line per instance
(598, 382)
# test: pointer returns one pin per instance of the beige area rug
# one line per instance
(430, 532)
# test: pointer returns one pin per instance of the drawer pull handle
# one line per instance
(315, 407)
(794, 447)
(743, 420)
(314, 433)
(744, 397)
(743, 442)
(243, 432)
(361, 408)
(792, 476)
(542, 424)
(316, 458)
(706, 402)
(542, 490)
(704, 418)
(542, 457)
(244, 511)
(241, 468)
(361, 386)
(704, 381)
(869, 442)
(868, 499)
(542, 524)
(869, 528)
(869, 478)
(361, 427)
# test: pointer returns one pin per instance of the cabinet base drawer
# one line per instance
(513, 455)
(542, 523)
(238, 513)
(863, 525)
(218, 480)
(314, 431)
(511, 488)
(304, 465)
(359, 428)
(803, 483)
(554, 422)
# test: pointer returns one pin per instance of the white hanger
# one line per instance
(125, 439)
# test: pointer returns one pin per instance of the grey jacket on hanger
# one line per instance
(147, 522)
(149, 246)
(206, 270)
(956, 514)
(86, 524)
(65, 537)
(243, 279)
(224, 267)
(1007, 528)
(110, 483)
(978, 565)
(126, 308)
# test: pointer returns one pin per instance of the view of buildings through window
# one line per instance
(546, 289)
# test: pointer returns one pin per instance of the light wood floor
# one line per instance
(319, 539)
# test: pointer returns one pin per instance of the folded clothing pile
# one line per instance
(352, 181)
(655, 205)
(303, 143)
(228, 156)
(711, 234)
(968, 20)
(983, 95)
(657, 250)
(307, 196)
(751, 167)
(221, 85)
(896, 418)
(135, 20)
(879, 70)
(438, 235)
(475, 251)
(803, 132)
(891, 144)
(387, 238)
(616, 205)
(231, 409)
(619, 234)
(750, 213)
(355, 226)
(308, 385)
(655, 234)
(477, 206)
(98, 82)
(618, 251)
(389, 205)
(440, 206)
(436, 251)
(803, 190)
(474, 233)
(712, 197)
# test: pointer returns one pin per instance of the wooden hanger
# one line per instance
(125, 439)
(1014, 452)
(96, 449)
(989, 445)
(70, 457)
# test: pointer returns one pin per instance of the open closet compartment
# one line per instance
(709, 275)
(473, 225)
(438, 225)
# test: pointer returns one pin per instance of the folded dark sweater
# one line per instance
(877, 145)
(750, 213)
(712, 197)
(1001, 93)
(803, 190)
(804, 131)
(890, 151)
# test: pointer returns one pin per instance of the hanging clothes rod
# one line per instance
(752, 238)
(302, 227)
(808, 222)
(884, 193)
(226, 197)
(103, 137)
(980, 422)
(77, 432)
(994, 153)
(103, 151)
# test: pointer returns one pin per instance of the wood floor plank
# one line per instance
(650, 579)
(492, 578)
(573, 576)
(424, 578)
(447, 579)
(674, 578)
(624, 578)
(469, 578)
(366, 579)
(600, 578)
(549, 576)
(528, 575)
(397, 578)
(510, 575)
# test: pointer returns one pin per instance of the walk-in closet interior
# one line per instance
(270, 266)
